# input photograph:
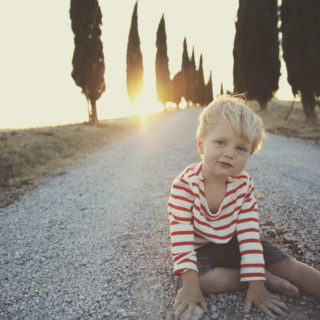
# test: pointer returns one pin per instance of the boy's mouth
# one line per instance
(225, 164)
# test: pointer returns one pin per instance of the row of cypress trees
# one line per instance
(256, 50)
(256, 55)
(188, 83)
(89, 67)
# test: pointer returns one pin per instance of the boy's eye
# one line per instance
(219, 142)
(241, 149)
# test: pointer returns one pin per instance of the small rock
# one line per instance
(213, 308)
(197, 314)
(215, 315)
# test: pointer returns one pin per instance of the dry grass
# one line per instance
(29, 157)
(295, 126)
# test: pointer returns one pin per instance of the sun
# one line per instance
(146, 104)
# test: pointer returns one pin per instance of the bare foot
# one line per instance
(281, 285)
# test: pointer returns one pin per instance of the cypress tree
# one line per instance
(192, 74)
(178, 88)
(301, 46)
(88, 59)
(185, 57)
(200, 91)
(221, 89)
(134, 59)
(185, 65)
(256, 68)
(163, 82)
(209, 90)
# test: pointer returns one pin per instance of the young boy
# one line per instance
(214, 223)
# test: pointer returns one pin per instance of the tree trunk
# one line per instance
(291, 108)
(263, 105)
(94, 118)
(89, 111)
(308, 104)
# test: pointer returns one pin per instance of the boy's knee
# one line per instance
(284, 266)
(220, 280)
(216, 275)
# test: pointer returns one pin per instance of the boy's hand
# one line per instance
(189, 296)
(268, 303)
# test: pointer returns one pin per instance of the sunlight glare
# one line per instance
(146, 104)
(183, 103)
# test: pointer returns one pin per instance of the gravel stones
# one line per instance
(94, 243)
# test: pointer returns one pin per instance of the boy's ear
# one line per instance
(200, 146)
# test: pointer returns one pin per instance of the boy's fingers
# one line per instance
(189, 313)
(277, 301)
(266, 310)
(204, 305)
(178, 310)
(176, 303)
(185, 314)
(247, 305)
(277, 310)
(273, 305)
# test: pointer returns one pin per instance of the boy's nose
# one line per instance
(228, 154)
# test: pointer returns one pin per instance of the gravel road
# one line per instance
(94, 243)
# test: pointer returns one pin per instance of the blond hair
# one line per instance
(247, 125)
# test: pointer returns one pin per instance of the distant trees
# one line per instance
(191, 88)
(188, 83)
(185, 72)
(177, 87)
(163, 82)
(88, 59)
(256, 68)
(221, 89)
(208, 90)
(300, 29)
(134, 59)
(88, 62)
(200, 89)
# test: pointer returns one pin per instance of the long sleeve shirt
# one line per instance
(192, 225)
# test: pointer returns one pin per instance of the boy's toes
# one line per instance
(291, 290)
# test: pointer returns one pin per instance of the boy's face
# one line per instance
(224, 154)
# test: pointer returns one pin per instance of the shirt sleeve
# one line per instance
(180, 206)
(252, 261)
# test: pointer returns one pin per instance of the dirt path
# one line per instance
(94, 243)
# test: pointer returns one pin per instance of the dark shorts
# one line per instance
(227, 255)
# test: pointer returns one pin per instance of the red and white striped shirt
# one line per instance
(192, 225)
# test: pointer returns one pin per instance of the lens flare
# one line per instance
(145, 105)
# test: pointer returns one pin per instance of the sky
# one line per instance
(37, 47)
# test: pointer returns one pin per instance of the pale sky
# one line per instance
(37, 48)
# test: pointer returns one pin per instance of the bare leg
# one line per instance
(221, 280)
(306, 278)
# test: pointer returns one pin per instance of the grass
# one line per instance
(29, 157)
(295, 126)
